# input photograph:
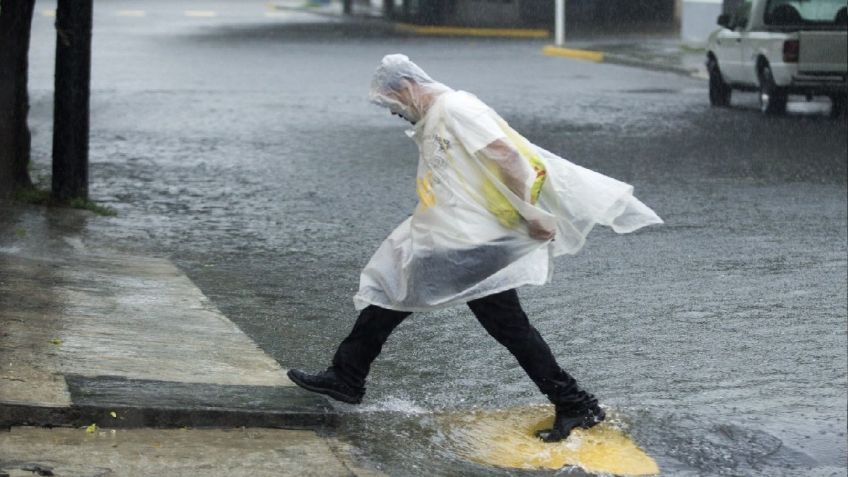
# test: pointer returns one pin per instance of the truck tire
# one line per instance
(772, 98)
(837, 105)
(720, 91)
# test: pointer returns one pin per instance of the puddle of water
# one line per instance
(506, 438)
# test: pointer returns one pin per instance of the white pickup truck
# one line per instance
(781, 47)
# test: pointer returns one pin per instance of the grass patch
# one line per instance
(36, 196)
(693, 49)
(98, 209)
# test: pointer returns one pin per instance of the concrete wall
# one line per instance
(699, 20)
(583, 16)
(487, 13)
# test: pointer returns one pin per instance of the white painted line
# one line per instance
(49, 13)
(201, 13)
(275, 14)
(131, 13)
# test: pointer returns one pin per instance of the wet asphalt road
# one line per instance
(242, 146)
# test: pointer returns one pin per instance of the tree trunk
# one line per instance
(70, 102)
(15, 25)
(347, 6)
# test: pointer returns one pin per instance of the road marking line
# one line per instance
(131, 13)
(48, 13)
(201, 13)
(276, 14)
(588, 55)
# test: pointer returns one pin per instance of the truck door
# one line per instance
(748, 41)
(729, 44)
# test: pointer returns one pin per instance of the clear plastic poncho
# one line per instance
(493, 209)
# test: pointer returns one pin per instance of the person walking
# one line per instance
(493, 211)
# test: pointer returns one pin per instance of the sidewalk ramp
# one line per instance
(88, 337)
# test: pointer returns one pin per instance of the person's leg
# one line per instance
(501, 315)
(355, 354)
(345, 379)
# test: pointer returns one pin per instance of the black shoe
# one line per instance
(328, 383)
(567, 419)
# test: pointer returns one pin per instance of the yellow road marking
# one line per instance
(463, 31)
(131, 13)
(506, 438)
(587, 55)
(201, 13)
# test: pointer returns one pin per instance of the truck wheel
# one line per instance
(837, 105)
(772, 98)
(719, 90)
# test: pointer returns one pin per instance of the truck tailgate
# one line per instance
(823, 51)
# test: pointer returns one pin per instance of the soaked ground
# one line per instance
(242, 146)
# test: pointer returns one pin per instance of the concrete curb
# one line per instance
(614, 58)
(12, 415)
(119, 402)
(577, 54)
(629, 61)
(520, 33)
(427, 30)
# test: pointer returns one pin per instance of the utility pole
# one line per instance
(559, 19)
(71, 99)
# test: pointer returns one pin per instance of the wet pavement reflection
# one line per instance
(247, 152)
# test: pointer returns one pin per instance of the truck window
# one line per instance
(742, 15)
(807, 13)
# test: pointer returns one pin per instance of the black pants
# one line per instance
(500, 314)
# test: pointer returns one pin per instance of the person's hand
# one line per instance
(540, 232)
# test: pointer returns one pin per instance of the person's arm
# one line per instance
(516, 177)
(514, 171)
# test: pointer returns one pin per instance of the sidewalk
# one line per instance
(660, 54)
(242, 452)
(94, 339)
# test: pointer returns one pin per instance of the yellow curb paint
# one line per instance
(464, 31)
(131, 13)
(48, 13)
(587, 55)
(201, 13)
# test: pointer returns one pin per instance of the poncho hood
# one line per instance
(404, 88)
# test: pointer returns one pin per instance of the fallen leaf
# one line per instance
(91, 429)
(114, 414)
(56, 341)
